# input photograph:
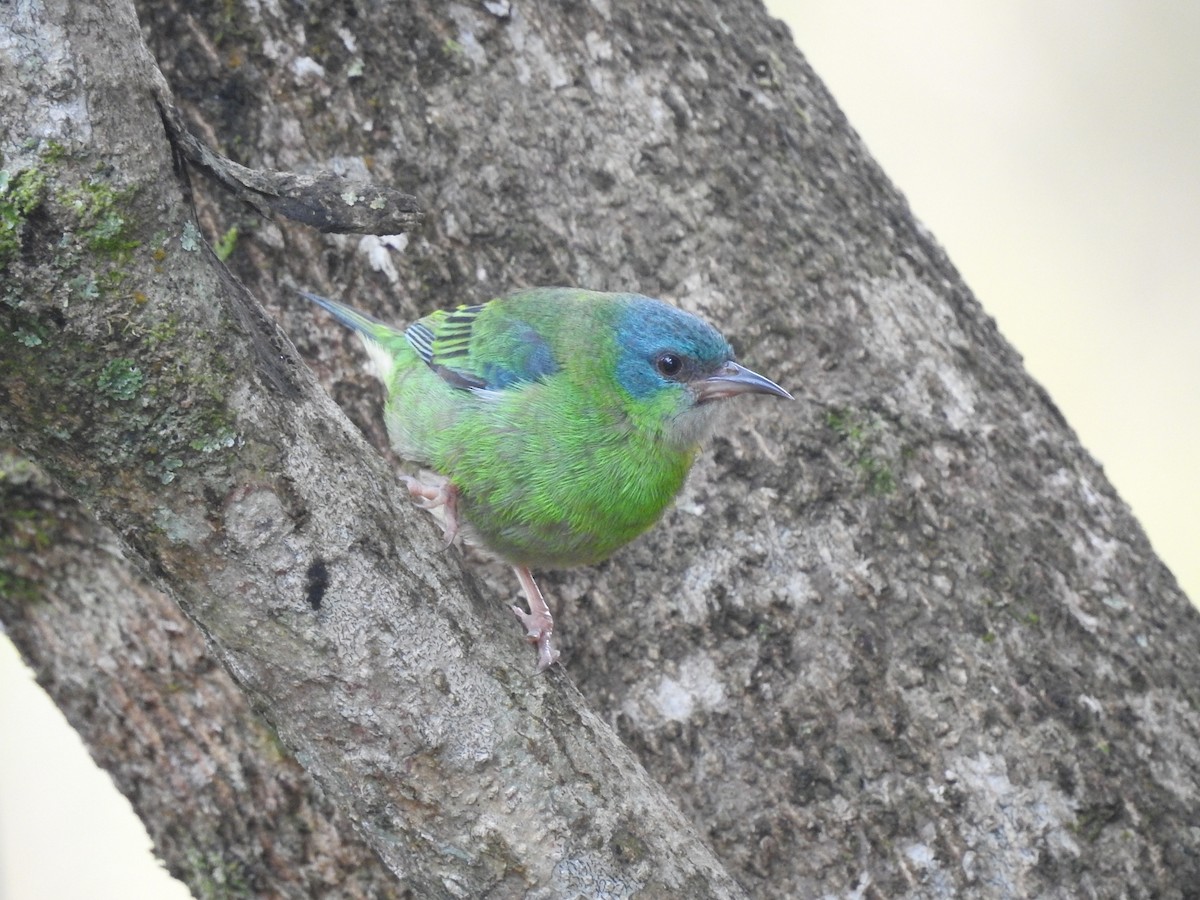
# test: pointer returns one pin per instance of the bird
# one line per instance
(559, 423)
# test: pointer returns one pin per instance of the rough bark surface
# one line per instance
(227, 807)
(901, 639)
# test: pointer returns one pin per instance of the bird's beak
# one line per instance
(731, 380)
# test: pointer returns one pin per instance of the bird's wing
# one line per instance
(482, 348)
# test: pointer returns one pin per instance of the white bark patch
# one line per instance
(695, 685)
(1007, 814)
(913, 327)
(54, 107)
(306, 67)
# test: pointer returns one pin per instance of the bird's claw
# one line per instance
(431, 496)
(538, 630)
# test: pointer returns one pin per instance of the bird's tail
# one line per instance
(382, 342)
(368, 325)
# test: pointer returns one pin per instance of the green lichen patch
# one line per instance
(83, 287)
(163, 330)
(101, 225)
(862, 435)
(90, 350)
(80, 226)
(21, 193)
(213, 875)
(223, 438)
(120, 380)
(191, 241)
(166, 469)
(28, 336)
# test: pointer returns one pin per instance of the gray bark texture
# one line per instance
(227, 807)
(899, 638)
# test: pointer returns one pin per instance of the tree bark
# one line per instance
(227, 807)
(901, 639)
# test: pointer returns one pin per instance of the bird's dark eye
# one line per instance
(668, 364)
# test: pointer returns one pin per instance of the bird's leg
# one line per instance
(430, 496)
(539, 624)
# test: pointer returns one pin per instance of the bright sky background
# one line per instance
(1053, 147)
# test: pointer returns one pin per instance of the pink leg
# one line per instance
(430, 496)
(539, 624)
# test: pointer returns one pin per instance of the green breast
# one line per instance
(552, 478)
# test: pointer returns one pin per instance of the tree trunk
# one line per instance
(898, 639)
(227, 807)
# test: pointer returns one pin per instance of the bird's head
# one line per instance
(675, 366)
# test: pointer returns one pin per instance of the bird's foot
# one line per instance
(539, 624)
(432, 495)
(539, 630)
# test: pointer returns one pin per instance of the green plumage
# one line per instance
(564, 420)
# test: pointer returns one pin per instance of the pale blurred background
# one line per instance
(1053, 147)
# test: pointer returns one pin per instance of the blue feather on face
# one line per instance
(660, 346)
